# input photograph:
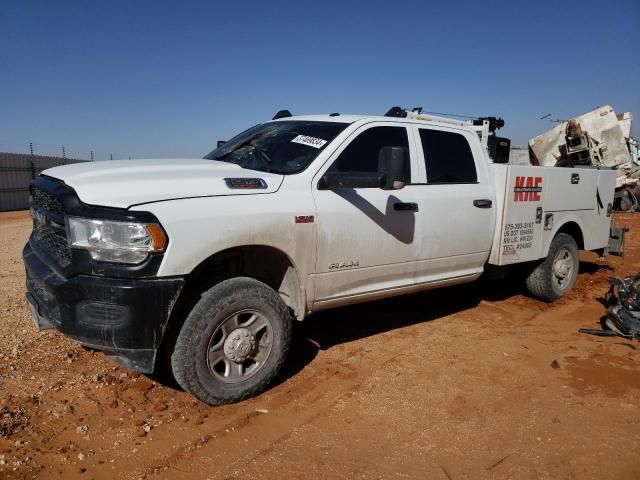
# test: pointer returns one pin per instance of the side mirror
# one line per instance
(393, 163)
(341, 180)
(220, 143)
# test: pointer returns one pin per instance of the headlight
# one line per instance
(111, 241)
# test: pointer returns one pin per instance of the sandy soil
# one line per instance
(469, 382)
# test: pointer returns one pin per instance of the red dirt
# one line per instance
(470, 382)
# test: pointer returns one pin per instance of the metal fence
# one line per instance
(16, 172)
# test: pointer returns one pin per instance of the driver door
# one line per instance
(366, 237)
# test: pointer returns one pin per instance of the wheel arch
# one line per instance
(572, 227)
(267, 264)
(264, 263)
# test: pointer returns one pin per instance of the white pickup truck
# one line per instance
(211, 260)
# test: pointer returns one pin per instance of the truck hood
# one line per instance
(123, 183)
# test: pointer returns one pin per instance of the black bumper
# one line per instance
(126, 318)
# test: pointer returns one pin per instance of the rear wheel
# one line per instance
(558, 272)
(233, 342)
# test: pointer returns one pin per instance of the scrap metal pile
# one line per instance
(599, 138)
(623, 310)
(623, 315)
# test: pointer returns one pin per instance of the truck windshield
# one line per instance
(284, 147)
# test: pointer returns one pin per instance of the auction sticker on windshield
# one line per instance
(309, 141)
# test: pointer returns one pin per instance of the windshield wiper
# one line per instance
(250, 143)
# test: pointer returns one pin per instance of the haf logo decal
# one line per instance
(527, 189)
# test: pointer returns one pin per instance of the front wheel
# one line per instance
(558, 272)
(233, 342)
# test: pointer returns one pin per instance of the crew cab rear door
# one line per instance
(457, 204)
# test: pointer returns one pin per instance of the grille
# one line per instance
(55, 242)
(46, 201)
(48, 234)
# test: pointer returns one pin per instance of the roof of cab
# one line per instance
(354, 118)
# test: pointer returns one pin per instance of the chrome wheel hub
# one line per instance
(562, 269)
(239, 345)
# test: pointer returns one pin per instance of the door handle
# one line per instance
(406, 206)
(482, 203)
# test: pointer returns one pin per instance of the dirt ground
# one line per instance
(470, 382)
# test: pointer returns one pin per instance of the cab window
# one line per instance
(362, 154)
(447, 157)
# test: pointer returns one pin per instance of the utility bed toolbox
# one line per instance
(536, 201)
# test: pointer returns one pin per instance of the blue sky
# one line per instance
(164, 79)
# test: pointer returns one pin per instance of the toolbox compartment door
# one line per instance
(570, 189)
(519, 237)
(599, 223)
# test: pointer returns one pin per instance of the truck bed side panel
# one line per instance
(519, 234)
(539, 201)
(590, 199)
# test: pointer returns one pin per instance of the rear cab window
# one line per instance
(448, 157)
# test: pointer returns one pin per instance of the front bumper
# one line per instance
(126, 318)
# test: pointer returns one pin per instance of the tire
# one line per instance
(233, 342)
(557, 274)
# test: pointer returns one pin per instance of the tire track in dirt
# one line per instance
(338, 380)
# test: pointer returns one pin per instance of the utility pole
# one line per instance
(92, 155)
(31, 164)
(64, 154)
